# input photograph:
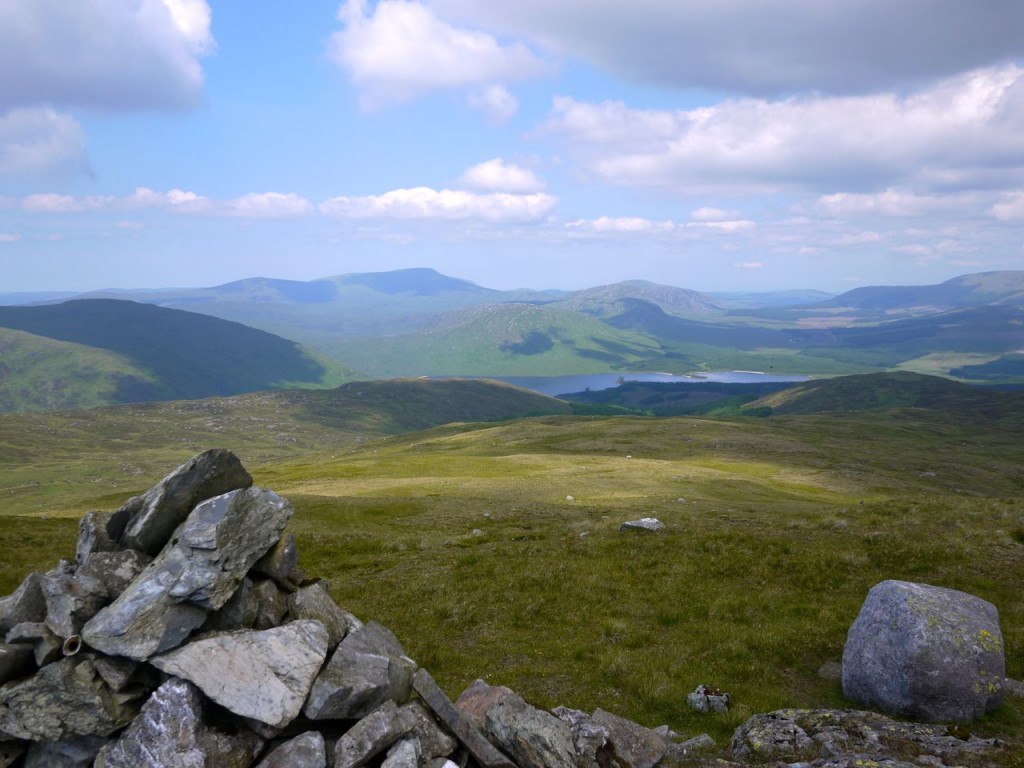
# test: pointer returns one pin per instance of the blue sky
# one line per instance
(710, 144)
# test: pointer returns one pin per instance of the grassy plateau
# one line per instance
(492, 548)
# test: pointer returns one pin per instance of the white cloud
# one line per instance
(444, 204)
(498, 176)
(749, 264)
(1011, 208)
(621, 225)
(967, 131)
(269, 205)
(893, 202)
(855, 238)
(8, 238)
(51, 203)
(712, 214)
(496, 102)
(400, 50)
(41, 142)
(723, 227)
(108, 54)
(764, 48)
(265, 205)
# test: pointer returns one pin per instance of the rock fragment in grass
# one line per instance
(707, 698)
(650, 524)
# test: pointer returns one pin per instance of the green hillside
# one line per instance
(160, 354)
(501, 340)
(38, 374)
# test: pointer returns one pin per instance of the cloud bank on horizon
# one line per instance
(716, 145)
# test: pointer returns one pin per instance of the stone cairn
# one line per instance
(184, 635)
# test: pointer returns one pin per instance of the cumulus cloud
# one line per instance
(401, 50)
(963, 132)
(444, 204)
(41, 142)
(764, 48)
(498, 176)
(129, 54)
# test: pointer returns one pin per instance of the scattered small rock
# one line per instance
(707, 698)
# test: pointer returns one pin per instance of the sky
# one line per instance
(719, 145)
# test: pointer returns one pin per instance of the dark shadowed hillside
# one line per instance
(164, 353)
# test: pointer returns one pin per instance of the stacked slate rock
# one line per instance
(185, 635)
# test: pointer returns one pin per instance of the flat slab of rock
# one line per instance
(196, 573)
(264, 675)
(925, 652)
(155, 515)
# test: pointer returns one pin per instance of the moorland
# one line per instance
(480, 522)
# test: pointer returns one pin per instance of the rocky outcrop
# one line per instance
(202, 644)
(925, 652)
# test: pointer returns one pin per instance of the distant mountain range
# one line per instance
(164, 343)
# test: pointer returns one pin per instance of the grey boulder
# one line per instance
(263, 675)
(368, 668)
(305, 751)
(169, 731)
(196, 573)
(155, 515)
(65, 699)
(373, 734)
(531, 737)
(630, 743)
(26, 604)
(925, 652)
(314, 602)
